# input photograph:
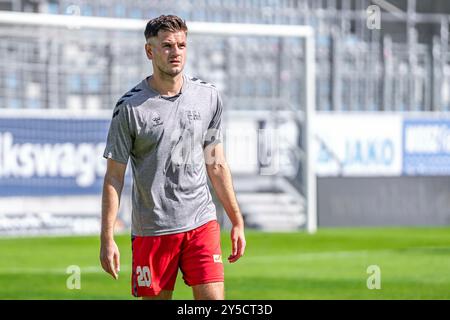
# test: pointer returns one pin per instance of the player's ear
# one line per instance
(148, 50)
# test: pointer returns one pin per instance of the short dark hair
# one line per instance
(166, 23)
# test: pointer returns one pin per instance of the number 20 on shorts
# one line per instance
(144, 278)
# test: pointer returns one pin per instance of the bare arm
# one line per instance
(220, 176)
(112, 189)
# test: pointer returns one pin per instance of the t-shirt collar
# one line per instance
(147, 85)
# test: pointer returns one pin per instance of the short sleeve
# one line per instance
(214, 132)
(119, 141)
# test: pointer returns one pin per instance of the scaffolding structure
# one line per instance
(404, 66)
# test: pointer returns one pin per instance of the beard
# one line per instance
(171, 72)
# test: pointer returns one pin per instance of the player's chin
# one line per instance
(174, 71)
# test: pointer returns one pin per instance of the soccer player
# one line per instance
(170, 126)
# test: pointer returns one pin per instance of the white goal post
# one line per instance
(223, 29)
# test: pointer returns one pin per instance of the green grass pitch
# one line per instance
(332, 264)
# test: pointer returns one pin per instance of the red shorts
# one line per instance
(156, 259)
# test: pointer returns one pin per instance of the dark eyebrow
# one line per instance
(170, 43)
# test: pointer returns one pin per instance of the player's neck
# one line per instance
(166, 86)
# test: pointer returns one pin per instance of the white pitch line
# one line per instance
(250, 259)
(312, 255)
(334, 254)
(54, 271)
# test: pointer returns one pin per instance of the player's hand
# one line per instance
(110, 258)
(237, 243)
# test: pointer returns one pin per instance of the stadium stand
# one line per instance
(408, 60)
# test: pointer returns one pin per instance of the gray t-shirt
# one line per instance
(165, 139)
